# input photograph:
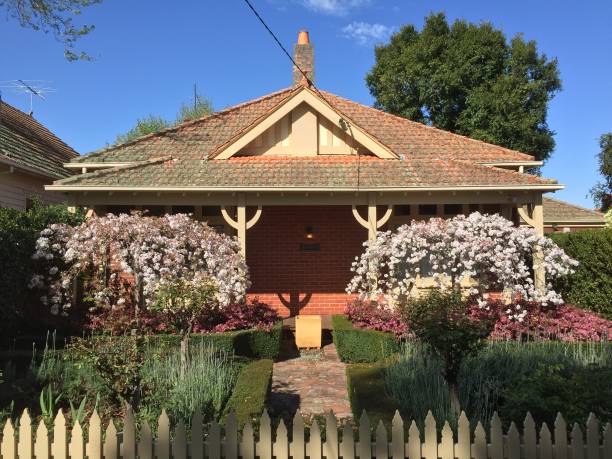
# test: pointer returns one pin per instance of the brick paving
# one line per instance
(314, 382)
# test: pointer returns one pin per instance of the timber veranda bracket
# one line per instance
(235, 224)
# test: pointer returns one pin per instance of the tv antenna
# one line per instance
(33, 88)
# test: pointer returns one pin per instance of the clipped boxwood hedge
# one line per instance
(251, 392)
(252, 343)
(356, 345)
(590, 287)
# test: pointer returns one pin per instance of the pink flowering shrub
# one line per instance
(151, 251)
(564, 323)
(486, 250)
(372, 316)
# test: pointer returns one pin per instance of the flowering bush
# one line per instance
(369, 315)
(487, 250)
(241, 316)
(153, 251)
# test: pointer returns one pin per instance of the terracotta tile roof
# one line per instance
(199, 138)
(192, 139)
(556, 211)
(313, 172)
(25, 142)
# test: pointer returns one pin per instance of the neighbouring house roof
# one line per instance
(184, 156)
(559, 212)
(27, 144)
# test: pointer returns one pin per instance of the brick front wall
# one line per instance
(300, 282)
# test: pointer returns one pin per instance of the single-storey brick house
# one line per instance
(561, 216)
(303, 177)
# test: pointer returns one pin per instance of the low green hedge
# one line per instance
(251, 392)
(355, 345)
(590, 287)
(258, 344)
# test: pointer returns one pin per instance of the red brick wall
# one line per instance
(298, 282)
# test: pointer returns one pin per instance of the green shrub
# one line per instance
(18, 233)
(251, 391)
(590, 287)
(251, 343)
(355, 345)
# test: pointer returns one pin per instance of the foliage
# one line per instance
(487, 251)
(153, 251)
(442, 321)
(608, 218)
(205, 386)
(366, 388)
(602, 192)
(590, 287)
(144, 126)
(18, 233)
(251, 391)
(357, 345)
(180, 302)
(508, 377)
(564, 323)
(53, 16)
(241, 316)
(117, 363)
(468, 79)
(201, 107)
(370, 315)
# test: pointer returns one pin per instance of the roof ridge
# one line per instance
(574, 205)
(109, 170)
(184, 124)
(422, 125)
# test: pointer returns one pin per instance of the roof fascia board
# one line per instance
(307, 96)
(304, 189)
(512, 163)
(96, 165)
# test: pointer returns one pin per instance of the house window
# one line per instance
(401, 210)
(453, 209)
(211, 211)
(183, 210)
(474, 208)
(154, 211)
(428, 209)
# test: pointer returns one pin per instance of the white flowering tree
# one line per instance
(152, 251)
(485, 251)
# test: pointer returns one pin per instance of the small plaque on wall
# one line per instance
(310, 247)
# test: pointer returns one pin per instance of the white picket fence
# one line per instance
(233, 443)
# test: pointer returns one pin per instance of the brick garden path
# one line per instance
(315, 383)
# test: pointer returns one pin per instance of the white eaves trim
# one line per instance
(95, 165)
(550, 187)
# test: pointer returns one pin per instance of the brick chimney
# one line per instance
(303, 55)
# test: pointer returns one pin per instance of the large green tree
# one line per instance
(468, 79)
(55, 17)
(602, 192)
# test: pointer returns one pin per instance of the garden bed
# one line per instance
(357, 345)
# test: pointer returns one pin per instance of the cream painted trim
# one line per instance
(385, 218)
(310, 98)
(513, 163)
(362, 221)
(234, 224)
(95, 165)
(304, 189)
(574, 223)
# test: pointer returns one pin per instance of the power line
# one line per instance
(342, 120)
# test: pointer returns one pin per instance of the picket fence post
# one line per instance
(86, 440)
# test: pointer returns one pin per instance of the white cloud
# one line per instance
(334, 7)
(365, 33)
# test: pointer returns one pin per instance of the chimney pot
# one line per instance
(303, 38)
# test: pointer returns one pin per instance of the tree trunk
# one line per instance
(185, 353)
(453, 389)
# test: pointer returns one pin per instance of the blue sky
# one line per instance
(148, 55)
